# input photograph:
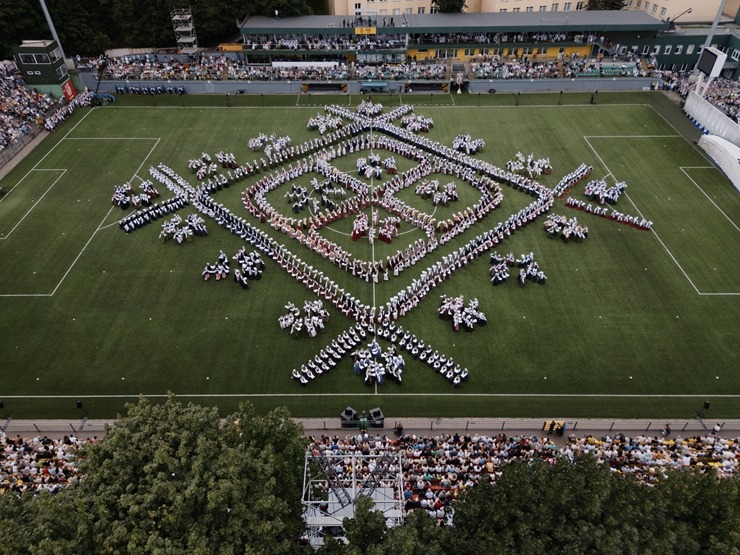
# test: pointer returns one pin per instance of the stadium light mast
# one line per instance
(713, 29)
(54, 35)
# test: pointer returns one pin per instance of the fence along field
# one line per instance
(625, 312)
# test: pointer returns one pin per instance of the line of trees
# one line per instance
(89, 27)
(173, 478)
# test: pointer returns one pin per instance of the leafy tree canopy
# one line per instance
(449, 6)
(606, 4)
(171, 478)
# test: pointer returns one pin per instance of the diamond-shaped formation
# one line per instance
(312, 191)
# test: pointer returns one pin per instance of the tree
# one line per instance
(169, 477)
(367, 529)
(606, 4)
(20, 20)
(285, 8)
(419, 535)
(449, 6)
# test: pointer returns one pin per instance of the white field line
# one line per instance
(694, 145)
(433, 395)
(51, 150)
(638, 210)
(25, 176)
(37, 202)
(100, 226)
(683, 169)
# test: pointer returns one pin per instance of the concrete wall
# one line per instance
(712, 119)
(294, 87)
(557, 85)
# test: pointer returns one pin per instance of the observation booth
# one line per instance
(43, 68)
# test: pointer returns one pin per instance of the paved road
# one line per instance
(422, 427)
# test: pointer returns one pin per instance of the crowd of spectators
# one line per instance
(724, 94)
(223, 68)
(40, 463)
(436, 469)
(503, 38)
(21, 109)
(328, 42)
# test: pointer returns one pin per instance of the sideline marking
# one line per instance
(456, 394)
(98, 228)
(730, 294)
(684, 168)
(38, 201)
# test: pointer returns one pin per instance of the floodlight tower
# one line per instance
(53, 29)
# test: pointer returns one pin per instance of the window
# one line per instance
(667, 49)
(528, 9)
(579, 6)
(421, 10)
(56, 54)
(662, 12)
(543, 8)
(647, 6)
(516, 10)
(434, 9)
(469, 52)
(639, 3)
(655, 8)
(735, 54)
(542, 50)
(358, 7)
(502, 10)
(409, 11)
(679, 49)
(690, 49)
(61, 71)
(396, 11)
(566, 7)
(383, 12)
(554, 7)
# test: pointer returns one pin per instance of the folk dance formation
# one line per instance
(598, 190)
(194, 226)
(313, 320)
(467, 144)
(529, 166)
(529, 269)
(125, 197)
(250, 266)
(565, 228)
(367, 128)
(571, 180)
(376, 365)
(454, 309)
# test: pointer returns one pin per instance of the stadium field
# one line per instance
(630, 323)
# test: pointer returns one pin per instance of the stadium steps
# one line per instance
(458, 67)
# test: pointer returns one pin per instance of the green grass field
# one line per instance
(630, 324)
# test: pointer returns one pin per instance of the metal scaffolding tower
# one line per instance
(332, 483)
(182, 23)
